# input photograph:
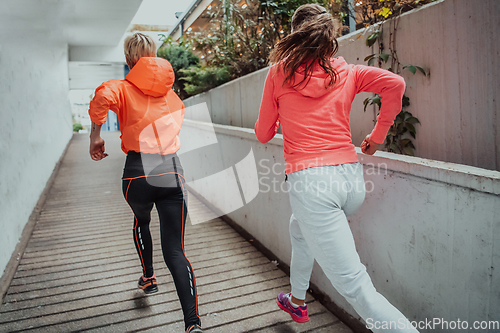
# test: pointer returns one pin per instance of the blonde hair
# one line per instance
(136, 46)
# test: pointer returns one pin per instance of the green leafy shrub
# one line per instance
(398, 138)
(238, 39)
(180, 57)
(77, 127)
(369, 12)
(201, 79)
(395, 141)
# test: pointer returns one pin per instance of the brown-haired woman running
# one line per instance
(309, 93)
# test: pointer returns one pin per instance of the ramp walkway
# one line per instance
(80, 268)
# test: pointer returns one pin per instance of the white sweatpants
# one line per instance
(321, 197)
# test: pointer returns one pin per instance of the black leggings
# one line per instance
(165, 188)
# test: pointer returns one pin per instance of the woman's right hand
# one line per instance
(369, 147)
(97, 149)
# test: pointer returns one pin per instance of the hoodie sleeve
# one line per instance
(105, 99)
(268, 122)
(390, 87)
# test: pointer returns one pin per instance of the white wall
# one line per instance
(428, 232)
(113, 54)
(35, 115)
(35, 127)
(90, 75)
(456, 104)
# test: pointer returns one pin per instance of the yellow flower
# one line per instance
(385, 12)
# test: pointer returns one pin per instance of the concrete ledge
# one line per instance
(240, 132)
(425, 230)
(478, 179)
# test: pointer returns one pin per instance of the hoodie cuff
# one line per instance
(98, 120)
(379, 133)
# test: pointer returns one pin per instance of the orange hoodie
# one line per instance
(315, 119)
(149, 112)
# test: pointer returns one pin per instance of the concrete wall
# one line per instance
(110, 54)
(428, 231)
(456, 103)
(235, 103)
(35, 127)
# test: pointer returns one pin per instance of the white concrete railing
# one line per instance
(428, 231)
(452, 39)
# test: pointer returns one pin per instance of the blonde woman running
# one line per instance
(150, 116)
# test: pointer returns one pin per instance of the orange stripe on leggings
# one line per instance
(182, 234)
(160, 174)
(139, 245)
(182, 242)
(135, 230)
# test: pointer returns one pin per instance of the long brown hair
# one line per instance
(312, 41)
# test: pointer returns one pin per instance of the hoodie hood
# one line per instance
(153, 76)
(317, 85)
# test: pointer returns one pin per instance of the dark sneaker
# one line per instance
(148, 284)
(194, 329)
(298, 314)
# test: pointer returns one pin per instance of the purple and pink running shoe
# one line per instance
(298, 314)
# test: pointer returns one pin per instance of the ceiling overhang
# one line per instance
(76, 22)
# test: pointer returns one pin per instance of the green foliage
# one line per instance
(180, 56)
(370, 40)
(239, 40)
(401, 133)
(396, 140)
(413, 69)
(372, 57)
(404, 125)
(77, 127)
(370, 12)
(201, 79)
(372, 100)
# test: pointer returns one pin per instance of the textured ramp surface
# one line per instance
(80, 268)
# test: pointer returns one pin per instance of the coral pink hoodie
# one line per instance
(315, 119)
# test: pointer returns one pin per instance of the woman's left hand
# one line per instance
(369, 147)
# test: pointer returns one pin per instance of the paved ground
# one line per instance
(80, 268)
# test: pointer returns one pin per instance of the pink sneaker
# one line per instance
(298, 314)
